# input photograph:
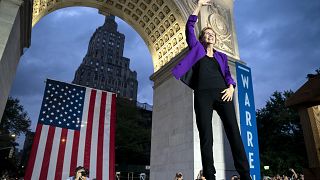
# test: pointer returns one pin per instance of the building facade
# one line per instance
(104, 66)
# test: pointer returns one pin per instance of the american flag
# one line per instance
(76, 127)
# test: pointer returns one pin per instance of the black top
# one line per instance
(208, 74)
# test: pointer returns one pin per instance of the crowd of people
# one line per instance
(293, 176)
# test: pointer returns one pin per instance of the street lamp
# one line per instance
(8, 135)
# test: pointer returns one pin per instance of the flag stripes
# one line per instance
(60, 144)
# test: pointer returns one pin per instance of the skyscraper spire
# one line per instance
(104, 66)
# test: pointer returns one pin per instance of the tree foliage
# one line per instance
(133, 134)
(15, 119)
(280, 136)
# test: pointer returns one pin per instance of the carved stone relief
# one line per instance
(316, 112)
(219, 19)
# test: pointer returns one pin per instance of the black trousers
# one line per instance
(205, 101)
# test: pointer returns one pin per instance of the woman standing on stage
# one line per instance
(206, 71)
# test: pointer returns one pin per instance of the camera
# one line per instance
(85, 173)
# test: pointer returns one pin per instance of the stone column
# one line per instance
(15, 30)
(310, 122)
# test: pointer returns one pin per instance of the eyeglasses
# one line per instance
(209, 34)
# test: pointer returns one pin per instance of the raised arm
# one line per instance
(190, 35)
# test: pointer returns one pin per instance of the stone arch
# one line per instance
(159, 22)
(175, 144)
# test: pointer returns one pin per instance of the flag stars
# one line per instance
(59, 122)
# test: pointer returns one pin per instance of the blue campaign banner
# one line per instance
(248, 125)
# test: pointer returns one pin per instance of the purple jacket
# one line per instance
(197, 51)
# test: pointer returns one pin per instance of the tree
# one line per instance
(15, 119)
(280, 136)
(133, 133)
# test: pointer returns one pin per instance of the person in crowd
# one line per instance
(80, 173)
(178, 176)
(200, 176)
(235, 177)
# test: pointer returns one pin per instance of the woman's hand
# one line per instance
(204, 2)
(200, 4)
(228, 93)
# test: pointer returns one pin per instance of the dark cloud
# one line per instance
(279, 40)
